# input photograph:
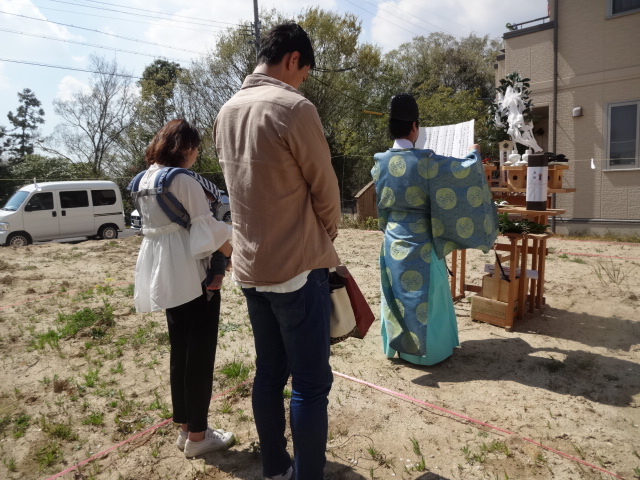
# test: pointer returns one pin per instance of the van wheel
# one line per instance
(227, 217)
(108, 232)
(18, 239)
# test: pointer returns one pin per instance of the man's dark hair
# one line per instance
(283, 39)
(172, 144)
(399, 128)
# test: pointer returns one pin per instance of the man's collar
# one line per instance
(402, 143)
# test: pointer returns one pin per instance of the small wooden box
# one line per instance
(516, 176)
(498, 290)
(555, 175)
(488, 172)
(498, 303)
(493, 311)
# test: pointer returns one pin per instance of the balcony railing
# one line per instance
(529, 23)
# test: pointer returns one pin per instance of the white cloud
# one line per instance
(70, 85)
(398, 21)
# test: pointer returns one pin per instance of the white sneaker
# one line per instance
(285, 476)
(213, 440)
(182, 439)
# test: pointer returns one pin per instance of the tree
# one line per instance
(21, 138)
(95, 121)
(443, 60)
(156, 106)
(48, 169)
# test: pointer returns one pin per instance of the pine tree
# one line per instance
(21, 138)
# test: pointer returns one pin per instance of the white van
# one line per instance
(51, 210)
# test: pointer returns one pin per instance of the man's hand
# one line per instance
(475, 146)
(343, 271)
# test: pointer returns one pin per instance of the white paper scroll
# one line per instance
(447, 140)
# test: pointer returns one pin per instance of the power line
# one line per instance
(158, 12)
(60, 67)
(171, 16)
(86, 44)
(423, 20)
(102, 33)
(386, 20)
(120, 19)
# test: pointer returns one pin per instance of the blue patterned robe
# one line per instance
(428, 206)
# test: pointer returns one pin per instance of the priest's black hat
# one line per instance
(404, 107)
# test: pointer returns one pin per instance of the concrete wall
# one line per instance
(598, 64)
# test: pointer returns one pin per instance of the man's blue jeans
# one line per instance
(291, 334)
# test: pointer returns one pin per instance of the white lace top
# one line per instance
(172, 260)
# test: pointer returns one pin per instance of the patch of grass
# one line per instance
(94, 418)
(20, 425)
(353, 221)
(158, 404)
(495, 446)
(58, 430)
(70, 324)
(10, 464)
(4, 423)
(129, 290)
(83, 295)
(612, 273)
(91, 377)
(608, 237)
(416, 446)
(119, 368)
(579, 260)
(235, 371)
(286, 393)
(49, 455)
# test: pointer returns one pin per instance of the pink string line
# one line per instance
(36, 299)
(150, 429)
(429, 405)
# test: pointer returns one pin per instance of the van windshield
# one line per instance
(15, 201)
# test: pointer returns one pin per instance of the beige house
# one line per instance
(584, 64)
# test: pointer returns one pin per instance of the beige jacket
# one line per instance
(284, 195)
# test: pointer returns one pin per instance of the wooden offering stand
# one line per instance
(502, 299)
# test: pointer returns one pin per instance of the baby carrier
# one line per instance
(170, 205)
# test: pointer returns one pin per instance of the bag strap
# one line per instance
(170, 205)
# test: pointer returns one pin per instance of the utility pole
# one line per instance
(256, 28)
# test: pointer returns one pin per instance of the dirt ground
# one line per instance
(562, 388)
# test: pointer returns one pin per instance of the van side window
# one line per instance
(74, 199)
(40, 201)
(103, 197)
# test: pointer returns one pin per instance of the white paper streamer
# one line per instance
(513, 106)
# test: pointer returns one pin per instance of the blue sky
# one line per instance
(65, 32)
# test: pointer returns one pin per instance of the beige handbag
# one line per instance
(343, 320)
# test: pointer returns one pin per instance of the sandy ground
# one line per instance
(562, 388)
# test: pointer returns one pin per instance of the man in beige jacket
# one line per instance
(286, 208)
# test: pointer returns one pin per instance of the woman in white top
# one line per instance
(169, 273)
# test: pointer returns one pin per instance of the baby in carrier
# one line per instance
(218, 263)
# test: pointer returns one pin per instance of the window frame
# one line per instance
(66, 195)
(616, 168)
(610, 13)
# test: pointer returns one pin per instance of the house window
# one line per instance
(620, 7)
(624, 135)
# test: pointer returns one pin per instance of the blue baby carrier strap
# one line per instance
(170, 205)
